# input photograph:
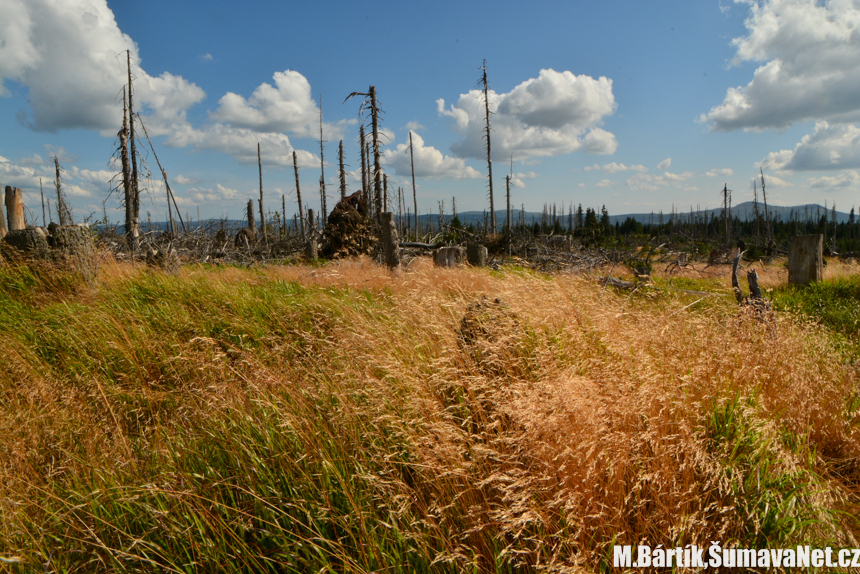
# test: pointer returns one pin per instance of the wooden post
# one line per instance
(15, 208)
(806, 259)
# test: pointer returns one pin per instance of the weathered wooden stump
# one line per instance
(448, 256)
(15, 208)
(806, 259)
(390, 241)
(33, 242)
(72, 240)
(476, 255)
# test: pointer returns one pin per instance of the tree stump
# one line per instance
(33, 242)
(806, 259)
(476, 255)
(448, 256)
(15, 208)
(390, 241)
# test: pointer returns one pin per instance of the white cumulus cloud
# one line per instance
(619, 167)
(715, 172)
(429, 162)
(555, 113)
(71, 57)
(648, 182)
(286, 106)
(665, 164)
(847, 180)
(828, 147)
(811, 70)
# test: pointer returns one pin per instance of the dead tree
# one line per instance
(370, 101)
(727, 212)
(252, 221)
(62, 210)
(42, 192)
(483, 80)
(322, 169)
(757, 215)
(363, 144)
(768, 232)
(414, 193)
(170, 196)
(262, 213)
(342, 171)
(384, 193)
(299, 195)
(133, 198)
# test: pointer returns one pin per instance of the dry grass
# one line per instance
(449, 420)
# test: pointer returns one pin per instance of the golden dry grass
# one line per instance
(500, 420)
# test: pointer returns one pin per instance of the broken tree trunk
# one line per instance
(448, 256)
(134, 197)
(806, 259)
(414, 193)
(363, 144)
(377, 156)
(311, 248)
(476, 255)
(252, 221)
(390, 245)
(62, 210)
(489, 160)
(755, 290)
(262, 213)
(299, 196)
(15, 208)
(342, 171)
(2, 223)
(736, 286)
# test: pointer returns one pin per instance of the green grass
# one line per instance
(833, 304)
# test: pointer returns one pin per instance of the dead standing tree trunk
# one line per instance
(370, 101)
(262, 213)
(170, 196)
(299, 196)
(342, 171)
(414, 193)
(62, 210)
(133, 227)
(489, 160)
(324, 211)
(361, 139)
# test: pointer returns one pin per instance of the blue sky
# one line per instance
(637, 106)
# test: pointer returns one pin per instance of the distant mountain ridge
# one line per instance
(744, 211)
